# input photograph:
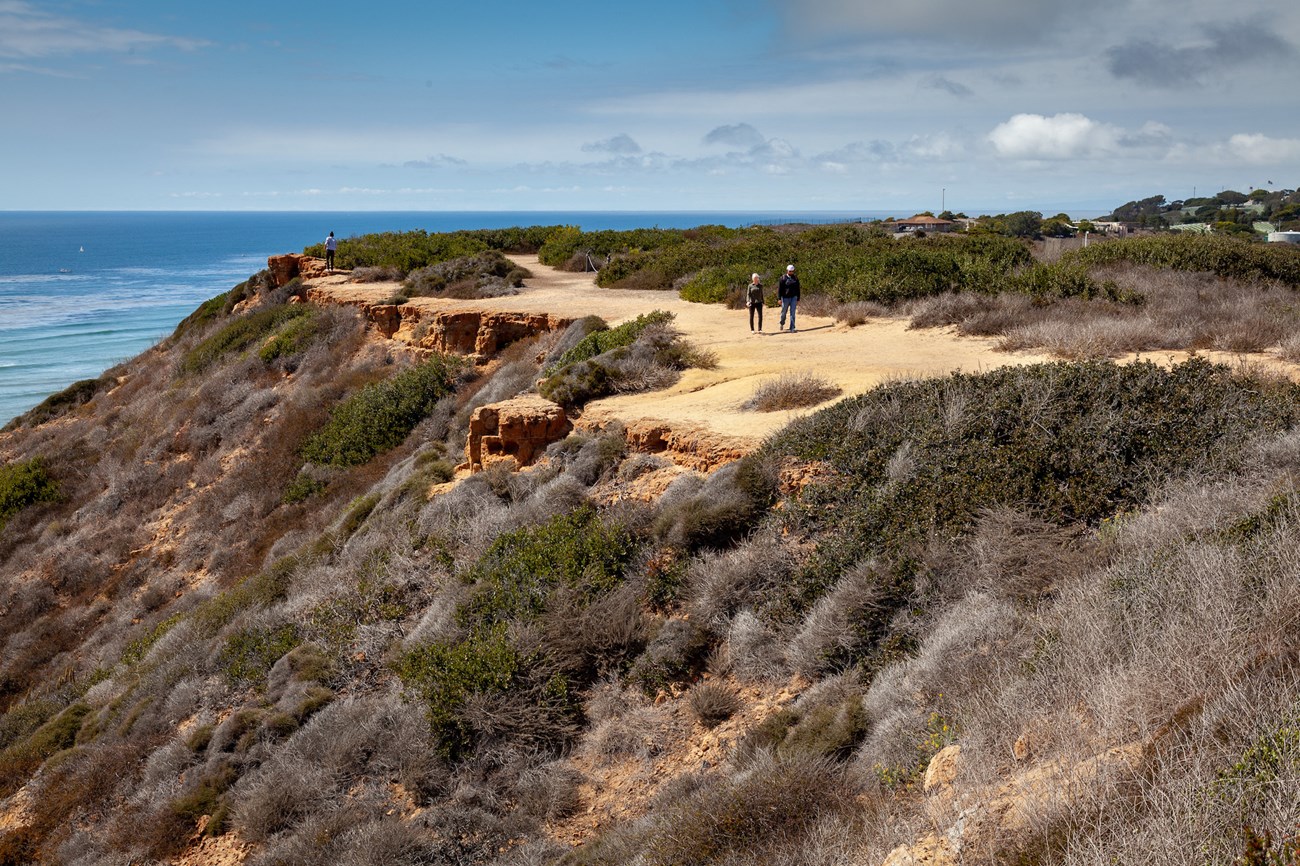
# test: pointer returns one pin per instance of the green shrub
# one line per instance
(205, 795)
(294, 338)
(22, 719)
(260, 590)
(23, 485)
(577, 384)
(302, 488)
(248, 654)
(1070, 443)
(357, 513)
(137, 649)
(639, 355)
(487, 274)
(848, 262)
(381, 415)
(516, 579)
(604, 339)
(408, 251)
(517, 574)
(568, 242)
(241, 334)
(1227, 257)
(21, 758)
(1271, 758)
(444, 675)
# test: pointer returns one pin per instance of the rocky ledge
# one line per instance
(515, 430)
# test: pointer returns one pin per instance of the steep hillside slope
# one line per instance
(253, 613)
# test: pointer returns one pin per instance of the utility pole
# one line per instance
(943, 199)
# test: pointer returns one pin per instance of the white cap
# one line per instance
(789, 267)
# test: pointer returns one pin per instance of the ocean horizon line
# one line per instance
(974, 211)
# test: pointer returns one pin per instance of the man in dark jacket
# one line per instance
(787, 290)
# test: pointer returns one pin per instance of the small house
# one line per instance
(924, 224)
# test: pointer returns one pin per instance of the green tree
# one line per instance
(1233, 228)
(1023, 224)
(1057, 228)
(1134, 211)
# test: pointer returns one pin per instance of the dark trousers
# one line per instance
(329, 259)
(757, 308)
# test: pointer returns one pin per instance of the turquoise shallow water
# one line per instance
(80, 292)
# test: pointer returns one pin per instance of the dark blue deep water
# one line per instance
(80, 292)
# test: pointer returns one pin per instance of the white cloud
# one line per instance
(27, 32)
(1061, 136)
(932, 147)
(1258, 149)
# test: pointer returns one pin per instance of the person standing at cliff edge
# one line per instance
(754, 300)
(787, 290)
(331, 244)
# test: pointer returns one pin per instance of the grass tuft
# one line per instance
(791, 391)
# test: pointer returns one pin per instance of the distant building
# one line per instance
(1284, 237)
(924, 224)
(1116, 229)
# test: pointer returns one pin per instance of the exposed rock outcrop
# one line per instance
(471, 332)
(479, 334)
(517, 429)
(1008, 825)
(284, 268)
(694, 447)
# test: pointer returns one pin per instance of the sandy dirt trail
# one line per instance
(856, 359)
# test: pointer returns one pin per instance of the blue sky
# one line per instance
(709, 104)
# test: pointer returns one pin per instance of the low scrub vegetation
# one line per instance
(248, 330)
(791, 391)
(380, 415)
(76, 394)
(23, 485)
(406, 252)
(1225, 257)
(486, 275)
(1071, 442)
(644, 354)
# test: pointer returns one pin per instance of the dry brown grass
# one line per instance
(1180, 310)
(853, 313)
(791, 391)
(712, 702)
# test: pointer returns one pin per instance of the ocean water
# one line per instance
(82, 291)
